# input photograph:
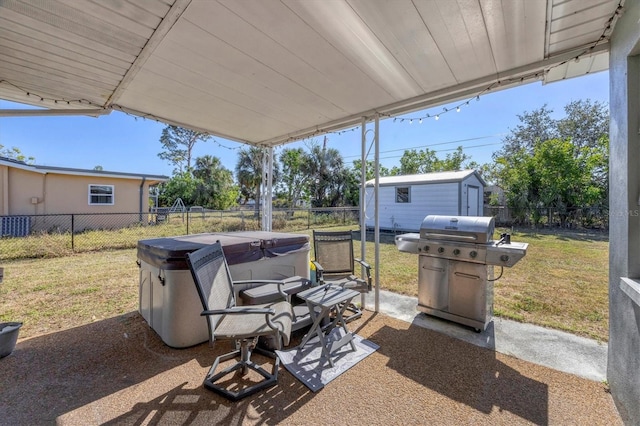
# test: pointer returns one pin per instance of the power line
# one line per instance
(438, 144)
(447, 150)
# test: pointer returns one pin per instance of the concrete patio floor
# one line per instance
(544, 346)
(118, 371)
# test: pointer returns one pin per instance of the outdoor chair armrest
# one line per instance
(365, 264)
(268, 313)
(239, 310)
(367, 269)
(319, 271)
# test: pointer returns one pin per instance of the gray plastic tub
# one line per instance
(8, 337)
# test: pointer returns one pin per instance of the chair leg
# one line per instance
(244, 364)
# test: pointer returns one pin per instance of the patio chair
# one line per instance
(335, 264)
(242, 324)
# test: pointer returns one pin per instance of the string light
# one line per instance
(47, 99)
(231, 148)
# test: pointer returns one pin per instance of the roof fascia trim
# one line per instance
(53, 112)
(89, 173)
(27, 167)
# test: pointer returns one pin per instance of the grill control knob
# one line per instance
(473, 253)
(426, 248)
(440, 249)
(456, 251)
(504, 258)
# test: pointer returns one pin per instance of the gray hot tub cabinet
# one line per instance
(168, 299)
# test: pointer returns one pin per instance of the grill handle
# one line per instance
(468, 276)
(433, 268)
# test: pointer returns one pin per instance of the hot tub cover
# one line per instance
(239, 247)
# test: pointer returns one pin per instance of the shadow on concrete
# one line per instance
(464, 372)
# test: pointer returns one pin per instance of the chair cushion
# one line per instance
(269, 292)
(352, 282)
(251, 325)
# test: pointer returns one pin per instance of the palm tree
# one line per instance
(327, 167)
(249, 174)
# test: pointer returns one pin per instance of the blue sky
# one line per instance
(123, 143)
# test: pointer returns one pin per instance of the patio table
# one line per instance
(321, 301)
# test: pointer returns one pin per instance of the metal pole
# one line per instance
(377, 211)
(72, 239)
(363, 207)
(267, 188)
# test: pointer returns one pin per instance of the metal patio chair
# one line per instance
(242, 324)
(335, 264)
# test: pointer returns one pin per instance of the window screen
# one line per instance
(101, 194)
(403, 194)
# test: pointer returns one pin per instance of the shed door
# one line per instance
(473, 195)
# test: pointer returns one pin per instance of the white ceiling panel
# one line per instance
(515, 29)
(409, 41)
(267, 72)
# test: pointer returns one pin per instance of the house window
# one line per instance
(101, 194)
(403, 195)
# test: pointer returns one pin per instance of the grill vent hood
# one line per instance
(470, 229)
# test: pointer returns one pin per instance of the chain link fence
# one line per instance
(37, 236)
(589, 218)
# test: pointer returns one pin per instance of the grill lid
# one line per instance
(469, 229)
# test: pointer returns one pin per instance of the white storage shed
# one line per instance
(406, 200)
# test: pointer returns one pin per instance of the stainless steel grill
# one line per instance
(455, 266)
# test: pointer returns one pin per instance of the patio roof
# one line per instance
(271, 72)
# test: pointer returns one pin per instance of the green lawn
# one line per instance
(561, 283)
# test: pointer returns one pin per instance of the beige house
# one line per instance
(42, 198)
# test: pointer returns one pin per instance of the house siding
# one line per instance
(45, 194)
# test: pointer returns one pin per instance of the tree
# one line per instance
(370, 170)
(560, 164)
(215, 188)
(178, 144)
(586, 122)
(426, 161)
(536, 126)
(181, 185)
(328, 176)
(249, 174)
(295, 176)
(352, 188)
(15, 154)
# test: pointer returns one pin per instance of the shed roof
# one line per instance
(267, 72)
(427, 178)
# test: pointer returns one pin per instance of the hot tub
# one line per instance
(168, 299)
